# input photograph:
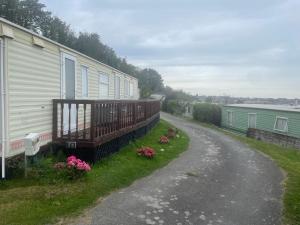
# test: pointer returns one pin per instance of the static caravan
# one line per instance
(35, 70)
(277, 119)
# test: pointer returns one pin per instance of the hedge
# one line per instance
(207, 113)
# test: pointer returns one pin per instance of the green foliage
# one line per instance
(207, 113)
(150, 82)
(180, 95)
(42, 170)
(59, 156)
(28, 13)
(209, 99)
(175, 101)
(174, 107)
(15, 166)
(24, 202)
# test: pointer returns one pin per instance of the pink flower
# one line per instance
(71, 163)
(71, 158)
(146, 151)
(87, 168)
(74, 166)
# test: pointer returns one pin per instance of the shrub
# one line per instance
(73, 168)
(42, 170)
(164, 140)
(146, 152)
(208, 113)
(174, 107)
(172, 132)
(15, 167)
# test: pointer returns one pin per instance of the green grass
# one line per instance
(31, 202)
(289, 161)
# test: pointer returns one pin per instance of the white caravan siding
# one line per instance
(34, 79)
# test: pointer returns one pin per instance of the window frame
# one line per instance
(87, 81)
(286, 128)
(249, 120)
(63, 57)
(126, 89)
(103, 83)
(131, 91)
(115, 89)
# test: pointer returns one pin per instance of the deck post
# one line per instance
(54, 124)
(92, 121)
(119, 115)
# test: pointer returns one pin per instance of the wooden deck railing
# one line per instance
(92, 122)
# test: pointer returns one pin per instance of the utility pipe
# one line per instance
(3, 141)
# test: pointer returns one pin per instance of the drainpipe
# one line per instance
(3, 141)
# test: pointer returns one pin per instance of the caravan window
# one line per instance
(126, 88)
(131, 89)
(117, 87)
(281, 124)
(103, 85)
(84, 81)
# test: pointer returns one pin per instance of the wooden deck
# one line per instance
(90, 123)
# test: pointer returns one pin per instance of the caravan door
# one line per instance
(68, 90)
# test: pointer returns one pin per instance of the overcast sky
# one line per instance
(209, 47)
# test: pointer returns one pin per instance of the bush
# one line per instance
(146, 152)
(164, 140)
(173, 106)
(171, 133)
(42, 170)
(73, 169)
(207, 113)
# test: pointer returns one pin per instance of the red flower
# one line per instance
(164, 140)
(146, 152)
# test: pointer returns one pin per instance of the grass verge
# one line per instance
(289, 161)
(30, 202)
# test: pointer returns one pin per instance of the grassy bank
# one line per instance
(289, 161)
(30, 202)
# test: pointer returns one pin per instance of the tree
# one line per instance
(209, 99)
(150, 82)
(26, 13)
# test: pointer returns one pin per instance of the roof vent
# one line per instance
(6, 31)
(38, 42)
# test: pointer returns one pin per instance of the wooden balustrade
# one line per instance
(93, 122)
